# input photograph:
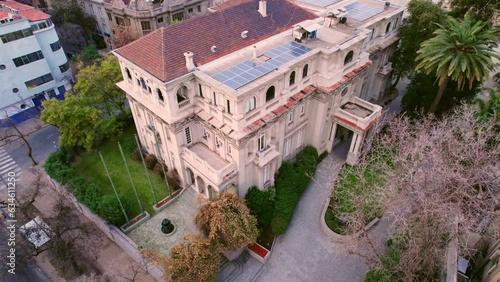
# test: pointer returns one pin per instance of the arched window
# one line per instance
(270, 93)
(143, 84)
(344, 92)
(182, 93)
(388, 28)
(292, 78)
(129, 76)
(304, 70)
(348, 57)
(395, 24)
(250, 104)
(160, 95)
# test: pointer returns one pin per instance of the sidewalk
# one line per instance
(26, 127)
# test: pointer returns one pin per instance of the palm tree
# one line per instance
(460, 51)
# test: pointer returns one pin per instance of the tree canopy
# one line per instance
(97, 84)
(459, 51)
(227, 222)
(68, 11)
(415, 29)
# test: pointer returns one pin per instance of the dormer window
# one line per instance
(270, 93)
(292, 78)
(348, 57)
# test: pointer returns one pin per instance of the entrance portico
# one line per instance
(358, 116)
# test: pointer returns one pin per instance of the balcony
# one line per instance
(208, 163)
(385, 69)
(357, 114)
(265, 156)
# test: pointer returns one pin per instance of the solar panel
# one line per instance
(321, 3)
(248, 71)
(361, 12)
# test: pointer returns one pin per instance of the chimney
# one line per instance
(189, 61)
(263, 8)
(255, 52)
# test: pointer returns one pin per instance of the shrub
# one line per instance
(260, 205)
(322, 156)
(57, 168)
(158, 169)
(87, 194)
(129, 145)
(150, 161)
(110, 210)
(174, 180)
(292, 180)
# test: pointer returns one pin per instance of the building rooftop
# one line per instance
(161, 53)
(16, 10)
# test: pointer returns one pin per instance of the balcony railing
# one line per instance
(205, 168)
(360, 122)
(385, 69)
(183, 103)
(263, 157)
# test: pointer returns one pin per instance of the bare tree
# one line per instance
(123, 36)
(442, 174)
(17, 133)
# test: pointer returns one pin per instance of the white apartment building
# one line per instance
(95, 9)
(33, 66)
(231, 95)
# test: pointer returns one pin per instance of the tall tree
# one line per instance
(486, 10)
(460, 51)
(68, 11)
(123, 36)
(416, 28)
(97, 82)
(79, 123)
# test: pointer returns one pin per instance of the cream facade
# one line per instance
(224, 135)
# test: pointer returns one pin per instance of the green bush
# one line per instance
(261, 206)
(129, 145)
(377, 274)
(291, 182)
(57, 168)
(322, 156)
(158, 169)
(110, 210)
(87, 194)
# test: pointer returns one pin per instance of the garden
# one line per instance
(274, 207)
(86, 178)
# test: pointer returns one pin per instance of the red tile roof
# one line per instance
(161, 53)
(229, 3)
(3, 14)
(27, 11)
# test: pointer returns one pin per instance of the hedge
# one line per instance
(291, 182)
(86, 193)
(261, 206)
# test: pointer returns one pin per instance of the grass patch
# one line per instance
(359, 183)
(89, 166)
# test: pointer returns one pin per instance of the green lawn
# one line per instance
(89, 165)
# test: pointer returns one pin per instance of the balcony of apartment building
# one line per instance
(208, 164)
(266, 155)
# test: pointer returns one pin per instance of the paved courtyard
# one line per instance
(181, 213)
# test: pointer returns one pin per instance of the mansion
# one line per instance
(226, 97)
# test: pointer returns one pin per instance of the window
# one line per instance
(100, 10)
(159, 20)
(229, 149)
(395, 24)
(215, 99)
(304, 71)
(2, 67)
(55, 46)
(143, 84)
(344, 92)
(110, 18)
(120, 21)
(287, 147)
(348, 57)
(178, 17)
(91, 9)
(198, 8)
(138, 82)
(200, 90)
(39, 81)
(182, 93)
(51, 93)
(299, 138)
(372, 34)
(388, 28)
(160, 95)
(146, 27)
(41, 25)
(228, 106)
(8, 37)
(261, 143)
(292, 78)
(290, 117)
(302, 109)
(250, 104)
(129, 76)
(270, 93)
(206, 133)
(64, 68)
(190, 10)
(29, 58)
(188, 135)
(266, 174)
